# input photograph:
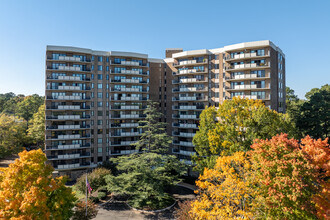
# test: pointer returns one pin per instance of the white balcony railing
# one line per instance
(130, 63)
(72, 136)
(68, 117)
(70, 68)
(187, 62)
(124, 125)
(69, 88)
(66, 58)
(73, 78)
(69, 107)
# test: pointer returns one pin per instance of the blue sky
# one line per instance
(300, 28)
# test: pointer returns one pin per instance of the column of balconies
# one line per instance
(68, 112)
(245, 70)
(129, 88)
(190, 96)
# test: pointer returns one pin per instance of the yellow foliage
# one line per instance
(225, 192)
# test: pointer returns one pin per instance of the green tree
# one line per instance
(28, 191)
(145, 177)
(28, 106)
(238, 122)
(36, 130)
(314, 115)
(201, 141)
(96, 180)
(154, 137)
(12, 134)
(10, 106)
(4, 98)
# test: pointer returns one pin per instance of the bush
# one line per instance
(80, 212)
(95, 179)
(183, 211)
(94, 199)
(101, 195)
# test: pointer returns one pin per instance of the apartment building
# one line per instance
(95, 99)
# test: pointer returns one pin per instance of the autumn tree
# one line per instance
(233, 127)
(287, 177)
(12, 134)
(36, 130)
(226, 191)
(28, 191)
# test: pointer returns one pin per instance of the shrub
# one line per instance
(94, 199)
(80, 212)
(183, 211)
(101, 195)
(95, 179)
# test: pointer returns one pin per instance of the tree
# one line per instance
(201, 140)
(28, 190)
(29, 106)
(10, 106)
(314, 114)
(36, 130)
(12, 134)
(226, 191)
(238, 122)
(154, 137)
(80, 211)
(145, 177)
(287, 178)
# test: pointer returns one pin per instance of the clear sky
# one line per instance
(300, 28)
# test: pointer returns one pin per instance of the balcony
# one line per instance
(126, 107)
(191, 62)
(125, 134)
(185, 116)
(247, 66)
(183, 134)
(68, 78)
(131, 72)
(266, 97)
(67, 97)
(190, 80)
(189, 98)
(245, 56)
(67, 88)
(69, 156)
(130, 98)
(188, 71)
(125, 125)
(244, 87)
(190, 89)
(245, 76)
(187, 153)
(67, 117)
(68, 147)
(130, 63)
(180, 125)
(71, 59)
(67, 127)
(74, 166)
(183, 143)
(121, 152)
(71, 107)
(122, 143)
(128, 81)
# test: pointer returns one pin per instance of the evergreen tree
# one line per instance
(154, 137)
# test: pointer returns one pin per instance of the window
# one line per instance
(216, 75)
(99, 76)
(99, 85)
(99, 104)
(92, 76)
(216, 95)
(99, 67)
(216, 66)
(92, 58)
(99, 122)
(99, 95)
(92, 94)
(99, 113)
(107, 59)
(99, 149)
(107, 68)
(100, 59)
(107, 77)
(92, 67)
(99, 131)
